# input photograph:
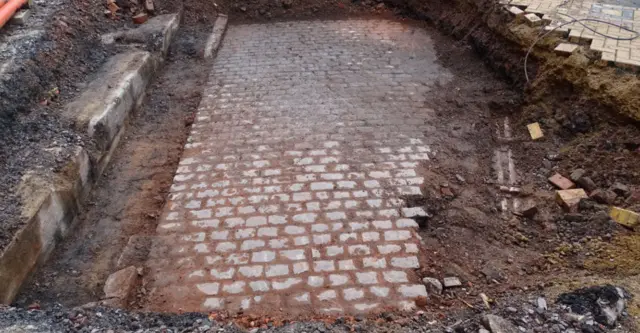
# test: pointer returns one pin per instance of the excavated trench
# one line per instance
(473, 117)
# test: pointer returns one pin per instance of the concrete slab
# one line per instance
(119, 87)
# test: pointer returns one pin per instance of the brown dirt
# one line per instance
(467, 236)
(130, 195)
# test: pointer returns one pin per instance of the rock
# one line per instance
(542, 303)
(497, 324)
(451, 282)
(458, 177)
(553, 157)
(421, 301)
(603, 196)
(433, 285)
(446, 191)
(149, 6)
(620, 189)
(585, 204)
(587, 184)
(482, 330)
(120, 285)
(561, 182)
(528, 209)
(577, 174)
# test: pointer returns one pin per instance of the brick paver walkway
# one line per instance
(626, 13)
(290, 191)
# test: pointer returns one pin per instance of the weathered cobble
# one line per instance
(290, 193)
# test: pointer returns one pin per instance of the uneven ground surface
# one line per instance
(134, 187)
(509, 258)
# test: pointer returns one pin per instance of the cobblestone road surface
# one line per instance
(291, 193)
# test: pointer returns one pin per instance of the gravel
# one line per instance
(522, 314)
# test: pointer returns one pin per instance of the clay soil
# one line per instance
(492, 252)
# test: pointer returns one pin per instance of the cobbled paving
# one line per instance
(292, 191)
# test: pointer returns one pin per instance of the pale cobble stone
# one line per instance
(290, 190)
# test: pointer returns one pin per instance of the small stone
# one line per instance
(446, 191)
(433, 285)
(620, 189)
(497, 324)
(542, 303)
(553, 157)
(421, 301)
(585, 204)
(587, 184)
(120, 284)
(451, 282)
(460, 178)
(577, 174)
(603, 196)
(482, 330)
(287, 4)
(529, 209)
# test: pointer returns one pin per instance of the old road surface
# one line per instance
(292, 192)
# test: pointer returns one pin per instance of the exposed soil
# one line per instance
(129, 196)
(502, 255)
(34, 137)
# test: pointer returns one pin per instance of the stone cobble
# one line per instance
(291, 192)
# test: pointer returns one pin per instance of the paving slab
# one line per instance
(290, 192)
(617, 45)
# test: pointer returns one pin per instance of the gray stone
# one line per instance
(121, 284)
(433, 285)
(620, 189)
(451, 282)
(587, 184)
(528, 209)
(482, 330)
(577, 174)
(497, 324)
(542, 303)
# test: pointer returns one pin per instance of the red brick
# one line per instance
(561, 182)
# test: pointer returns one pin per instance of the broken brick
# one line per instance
(561, 182)
(624, 216)
(569, 199)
